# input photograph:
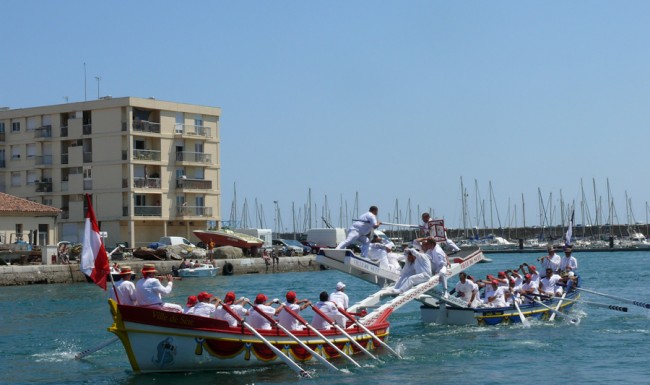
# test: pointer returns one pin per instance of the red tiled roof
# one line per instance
(14, 204)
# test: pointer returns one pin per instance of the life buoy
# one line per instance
(228, 268)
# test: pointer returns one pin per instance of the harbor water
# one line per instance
(44, 326)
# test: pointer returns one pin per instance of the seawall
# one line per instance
(15, 275)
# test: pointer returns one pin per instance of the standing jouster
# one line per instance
(426, 230)
(361, 229)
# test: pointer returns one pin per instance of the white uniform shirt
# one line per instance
(287, 320)
(569, 261)
(126, 292)
(222, 314)
(500, 297)
(340, 299)
(365, 224)
(149, 291)
(204, 309)
(330, 310)
(552, 263)
(549, 285)
(259, 322)
(465, 289)
(438, 258)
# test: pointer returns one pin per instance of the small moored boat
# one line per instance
(204, 270)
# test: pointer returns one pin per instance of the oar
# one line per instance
(572, 320)
(365, 329)
(559, 303)
(310, 350)
(636, 303)
(313, 329)
(92, 350)
(278, 352)
(522, 317)
(337, 327)
(597, 304)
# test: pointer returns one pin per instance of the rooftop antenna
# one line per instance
(98, 78)
(85, 84)
(66, 98)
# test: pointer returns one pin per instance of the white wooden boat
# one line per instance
(162, 341)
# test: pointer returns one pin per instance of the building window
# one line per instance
(15, 179)
(15, 126)
(2, 127)
(15, 152)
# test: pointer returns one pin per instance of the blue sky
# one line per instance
(394, 101)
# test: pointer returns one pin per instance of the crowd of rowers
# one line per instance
(523, 284)
(148, 292)
(426, 259)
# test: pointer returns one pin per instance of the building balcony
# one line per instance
(44, 132)
(194, 157)
(146, 126)
(193, 211)
(146, 155)
(192, 131)
(147, 211)
(87, 129)
(64, 158)
(195, 184)
(64, 131)
(43, 186)
(146, 182)
(43, 160)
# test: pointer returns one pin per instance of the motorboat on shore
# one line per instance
(161, 341)
(228, 238)
(202, 270)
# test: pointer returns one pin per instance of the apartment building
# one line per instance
(151, 167)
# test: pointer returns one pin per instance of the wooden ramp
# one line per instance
(348, 262)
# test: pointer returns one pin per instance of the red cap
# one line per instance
(495, 282)
(191, 300)
(533, 268)
(261, 298)
(230, 297)
(502, 274)
(490, 277)
(204, 295)
(291, 296)
(527, 276)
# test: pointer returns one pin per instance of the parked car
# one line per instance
(305, 249)
(282, 247)
(315, 248)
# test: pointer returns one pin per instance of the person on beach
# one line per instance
(339, 297)
(416, 270)
(287, 320)
(330, 310)
(255, 319)
(236, 306)
(149, 290)
(124, 287)
(361, 229)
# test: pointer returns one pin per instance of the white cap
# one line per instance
(571, 274)
(340, 286)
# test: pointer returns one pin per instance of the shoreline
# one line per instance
(19, 275)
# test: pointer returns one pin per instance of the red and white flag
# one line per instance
(94, 260)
